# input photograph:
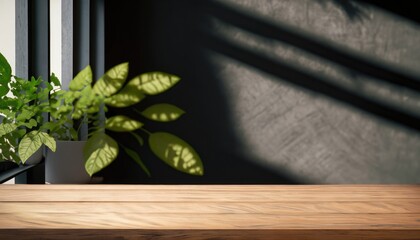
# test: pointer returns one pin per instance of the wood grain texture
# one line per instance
(246, 234)
(210, 211)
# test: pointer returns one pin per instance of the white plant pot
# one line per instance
(36, 157)
(66, 165)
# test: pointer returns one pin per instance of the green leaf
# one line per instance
(48, 141)
(128, 96)
(5, 75)
(100, 150)
(153, 83)
(73, 133)
(82, 79)
(5, 69)
(55, 80)
(6, 128)
(163, 112)
(85, 102)
(176, 153)
(133, 155)
(4, 89)
(112, 81)
(9, 103)
(7, 148)
(32, 141)
(138, 138)
(48, 87)
(32, 123)
(20, 133)
(122, 123)
(27, 113)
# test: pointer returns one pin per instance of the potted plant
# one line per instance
(22, 105)
(111, 90)
(68, 112)
(26, 126)
(83, 103)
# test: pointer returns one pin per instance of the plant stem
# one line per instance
(137, 111)
(145, 130)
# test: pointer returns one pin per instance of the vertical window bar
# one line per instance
(81, 49)
(97, 41)
(21, 33)
(81, 33)
(66, 43)
(75, 42)
(22, 56)
(39, 39)
(33, 51)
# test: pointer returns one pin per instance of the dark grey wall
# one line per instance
(260, 108)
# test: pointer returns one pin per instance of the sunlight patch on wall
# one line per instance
(7, 26)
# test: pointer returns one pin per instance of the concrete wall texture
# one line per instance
(287, 129)
(308, 134)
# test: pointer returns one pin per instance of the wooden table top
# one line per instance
(210, 211)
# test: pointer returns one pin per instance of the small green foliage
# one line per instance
(22, 107)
